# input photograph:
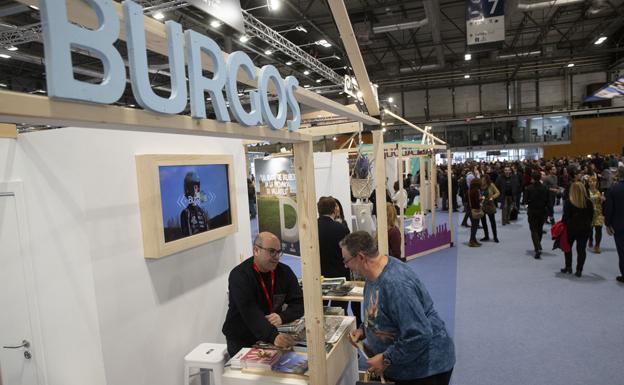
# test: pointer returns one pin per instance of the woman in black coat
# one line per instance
(578, 212)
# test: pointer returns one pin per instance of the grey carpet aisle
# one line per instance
(519, 321)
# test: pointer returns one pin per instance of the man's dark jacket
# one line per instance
(245, 323)
(614, 207)
(537, 200)
(330, 234)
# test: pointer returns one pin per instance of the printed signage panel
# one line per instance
(609, 91)
(485, 21)
(227, 11)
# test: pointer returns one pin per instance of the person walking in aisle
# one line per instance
(598, 219)
(490, 195)
(550, 182)
(537, 207)
(507, 184)
(474, 210)
(578, 212)
(468, 179)
(614, 217)
(394, 233)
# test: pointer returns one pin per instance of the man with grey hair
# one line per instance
(614, 217)
(406, 339)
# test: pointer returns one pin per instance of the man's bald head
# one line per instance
(267, 251)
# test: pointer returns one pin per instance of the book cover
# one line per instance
(291, 362)
(260, 358)
(235, 362)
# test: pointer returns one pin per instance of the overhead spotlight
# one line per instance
(34, 7)
(318, 91)
(243, 38)
(306, 72)
(3, 85)
(467, 76)
(334, 139)
(467, 57)
(301, 28)
(5, 56)
(306, 86)
(11, 48)
(323, 43)
(600, 40)
(268, 52)
(158, 16)
(383, 129)
(570, 65)
(359, 94)
(215, 23)
(390, 99)
(319, 80)
(289, 63)
(376, 85)
(273, 5)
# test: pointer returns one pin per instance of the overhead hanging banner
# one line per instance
(485, 21)
(609, 91)
(277, 200)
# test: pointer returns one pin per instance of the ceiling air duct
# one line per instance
(399, 27)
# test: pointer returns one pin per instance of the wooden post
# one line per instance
(380, 188)
(310, 262)
(8, 131)
(401, 209)
(449, 174)
(422, 166)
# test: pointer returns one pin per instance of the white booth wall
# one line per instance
(331, 178)
(107, 315)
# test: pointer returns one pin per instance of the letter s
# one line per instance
(291, 85)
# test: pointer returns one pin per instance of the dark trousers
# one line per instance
(492, 224)
(581, 244)
(597, 231)
(619, 245)
(551, 204)
(536, 225)
(436, 379)
(507, 202)
(474, 224)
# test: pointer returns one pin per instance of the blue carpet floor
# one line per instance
(519, 321)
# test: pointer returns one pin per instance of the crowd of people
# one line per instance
(589, 188)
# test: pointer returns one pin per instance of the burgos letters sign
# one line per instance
(60, 35)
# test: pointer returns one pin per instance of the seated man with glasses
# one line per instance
(263, 294)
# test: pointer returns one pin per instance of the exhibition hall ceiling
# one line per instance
(406, 45)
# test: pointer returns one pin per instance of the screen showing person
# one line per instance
(194, 199)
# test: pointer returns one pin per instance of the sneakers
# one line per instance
(474, 244)
(484, 239)
(567, 270)
(597, 249)
(620, 278)
(538, 255)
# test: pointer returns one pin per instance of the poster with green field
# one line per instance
(276, 197)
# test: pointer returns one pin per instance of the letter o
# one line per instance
(267, 73)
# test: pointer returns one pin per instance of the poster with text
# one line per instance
(276, 197)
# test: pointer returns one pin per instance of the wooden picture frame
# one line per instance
(174, 201)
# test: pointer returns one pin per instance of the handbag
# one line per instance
(476, 213)
(489, 207)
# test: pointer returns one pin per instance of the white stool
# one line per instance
(206, 356)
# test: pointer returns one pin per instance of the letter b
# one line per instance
(60, 36)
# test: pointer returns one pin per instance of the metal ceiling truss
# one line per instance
(21, 35)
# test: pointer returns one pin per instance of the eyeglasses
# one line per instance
(272, 252)
(346, 261)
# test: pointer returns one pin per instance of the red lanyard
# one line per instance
(268, 297)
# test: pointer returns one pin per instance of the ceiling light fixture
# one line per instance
(600, 40)
(2, 85)
(467, 57)
(243, 39)
(306, 86)
(570, 65)
(158, 16)
(11, 48)
(306, 72)
(273, 5)
(5, 56)
(289, 63)
(323, 43)
(34, 7)
(215, 23)
(319, 80)
(359, 94)
(268, 52)
(467, 76)
(390, 99)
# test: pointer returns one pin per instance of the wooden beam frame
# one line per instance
(156, 40)
(339, 11)
(18, 107)
(8, 131)
(380, 195)
(335, 129)
(424, 132)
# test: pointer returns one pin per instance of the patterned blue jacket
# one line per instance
(400, 321)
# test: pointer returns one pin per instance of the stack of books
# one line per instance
(260, 358)
(235, 362)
